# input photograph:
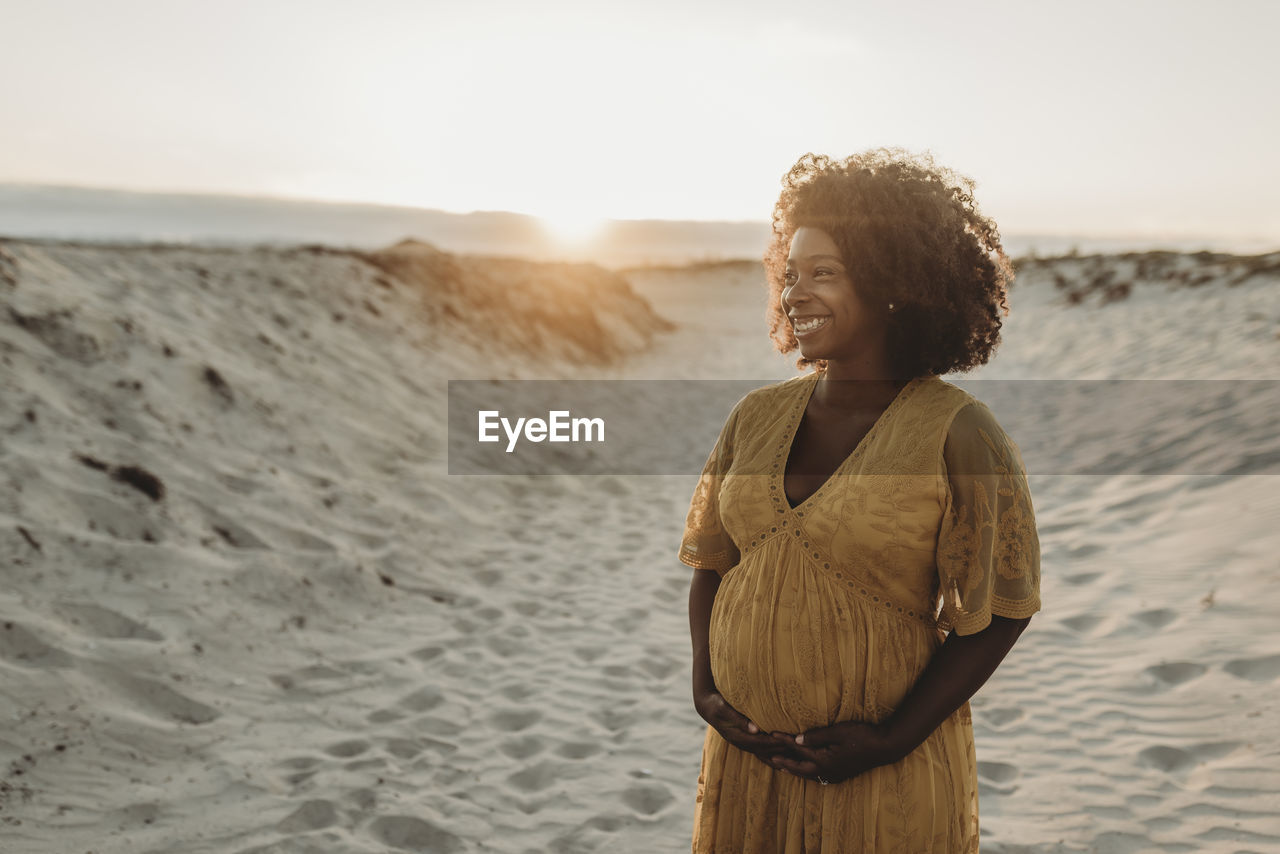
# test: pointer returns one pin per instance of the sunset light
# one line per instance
(572, 227)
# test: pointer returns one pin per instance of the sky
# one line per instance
(1096, 118)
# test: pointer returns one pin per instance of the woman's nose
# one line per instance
(795, 292)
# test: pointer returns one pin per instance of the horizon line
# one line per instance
(764, 223)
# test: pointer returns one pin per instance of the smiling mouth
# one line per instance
(809, 324)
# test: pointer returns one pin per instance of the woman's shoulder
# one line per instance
(937, 402)
(947, 415)
(973, 427)
(767, 398)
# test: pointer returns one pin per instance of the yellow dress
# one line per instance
(829, 611)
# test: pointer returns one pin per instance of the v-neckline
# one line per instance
(779, 489)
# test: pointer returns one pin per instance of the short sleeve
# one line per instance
(988, 548)
(706, 544)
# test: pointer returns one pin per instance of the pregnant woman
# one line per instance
(862, 536)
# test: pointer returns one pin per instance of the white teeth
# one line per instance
(809, 325)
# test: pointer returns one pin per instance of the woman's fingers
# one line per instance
(807, 754)
(727, 717)
(757, 742)
(825, 737)
(799, 767)
(762, 744)
(743, 733)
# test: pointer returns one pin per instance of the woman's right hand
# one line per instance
(735, 728)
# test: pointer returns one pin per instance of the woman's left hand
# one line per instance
(839, 752)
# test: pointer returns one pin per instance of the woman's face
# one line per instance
(829, 319)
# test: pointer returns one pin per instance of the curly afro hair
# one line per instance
(911, 234)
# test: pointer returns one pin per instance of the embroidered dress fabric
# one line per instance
(830, 610)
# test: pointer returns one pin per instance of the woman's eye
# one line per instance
(788, 277)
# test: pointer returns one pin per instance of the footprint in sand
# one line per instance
(234, 534)
(162, 701)
(586, 836)
(1264, 669)
(536, 778)
(299, 769)
(144, 813)
(527, 609)
(615, 565)
(407, 833)
(299, 681)
(347, 749)
(506, 647)
(422, 700)
(1081, 623)
(239, 485)
(22, 647)
(1157, 618)
(402, 748)
(1084, 551)
(997, 772)
(515, 720)
(1176, 672)
(1165, 758)
(648, 798)
(631, 620)
(578, 749)
(1001, 716)
(658, 665)
(428, 653)
(490, 613)
(362, 799)
(590, 653)
(614, 720)
(488, 577)
(385, 716)
(518, 691)
(522, 747)
(1214, 749)
(105, 623)
(299, 539)
(996, 778)
(670, 597)
(312, 815)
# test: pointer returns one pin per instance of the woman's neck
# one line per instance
(848, 388)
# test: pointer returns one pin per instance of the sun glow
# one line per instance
(572, 227)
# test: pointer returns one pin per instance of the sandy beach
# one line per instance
(248, 610)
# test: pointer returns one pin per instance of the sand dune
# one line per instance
(248, 611)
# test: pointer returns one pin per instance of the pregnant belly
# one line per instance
(792, 651)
